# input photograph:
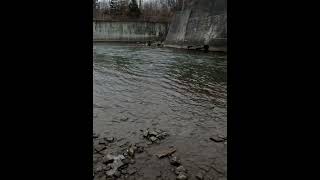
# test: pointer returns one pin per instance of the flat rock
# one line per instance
(100, 148)
(166, 152)
(218, 139)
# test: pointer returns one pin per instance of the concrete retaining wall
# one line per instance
(129, 31)
(202, 22)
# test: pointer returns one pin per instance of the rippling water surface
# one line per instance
(181, 92)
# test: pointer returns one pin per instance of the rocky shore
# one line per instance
(117, 158)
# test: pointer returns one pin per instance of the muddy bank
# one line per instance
(150, 158)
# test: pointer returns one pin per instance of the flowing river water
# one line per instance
(181, 92)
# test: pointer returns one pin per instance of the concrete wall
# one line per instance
(129, 31)
(202, 22)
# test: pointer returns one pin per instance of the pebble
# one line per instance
(174, 161)
(109, 139)
(107, 159)
(131, 151)
(180, 170)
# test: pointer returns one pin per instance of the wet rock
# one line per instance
(132, 171)
(182, 176)
(109, 139)
(218, 139)
(100, 148)
(115, 165)
(162, 135)
(199, 176)
(107, 159)
(124, 119)
(166, 152)
(180, 170)
(131, 151)
(153, 133)
(124, 144)
(145, 133)
(153, 139)
(174, 161)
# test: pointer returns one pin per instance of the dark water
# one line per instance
(181, 92)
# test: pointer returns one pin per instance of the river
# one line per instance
(181, 92)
